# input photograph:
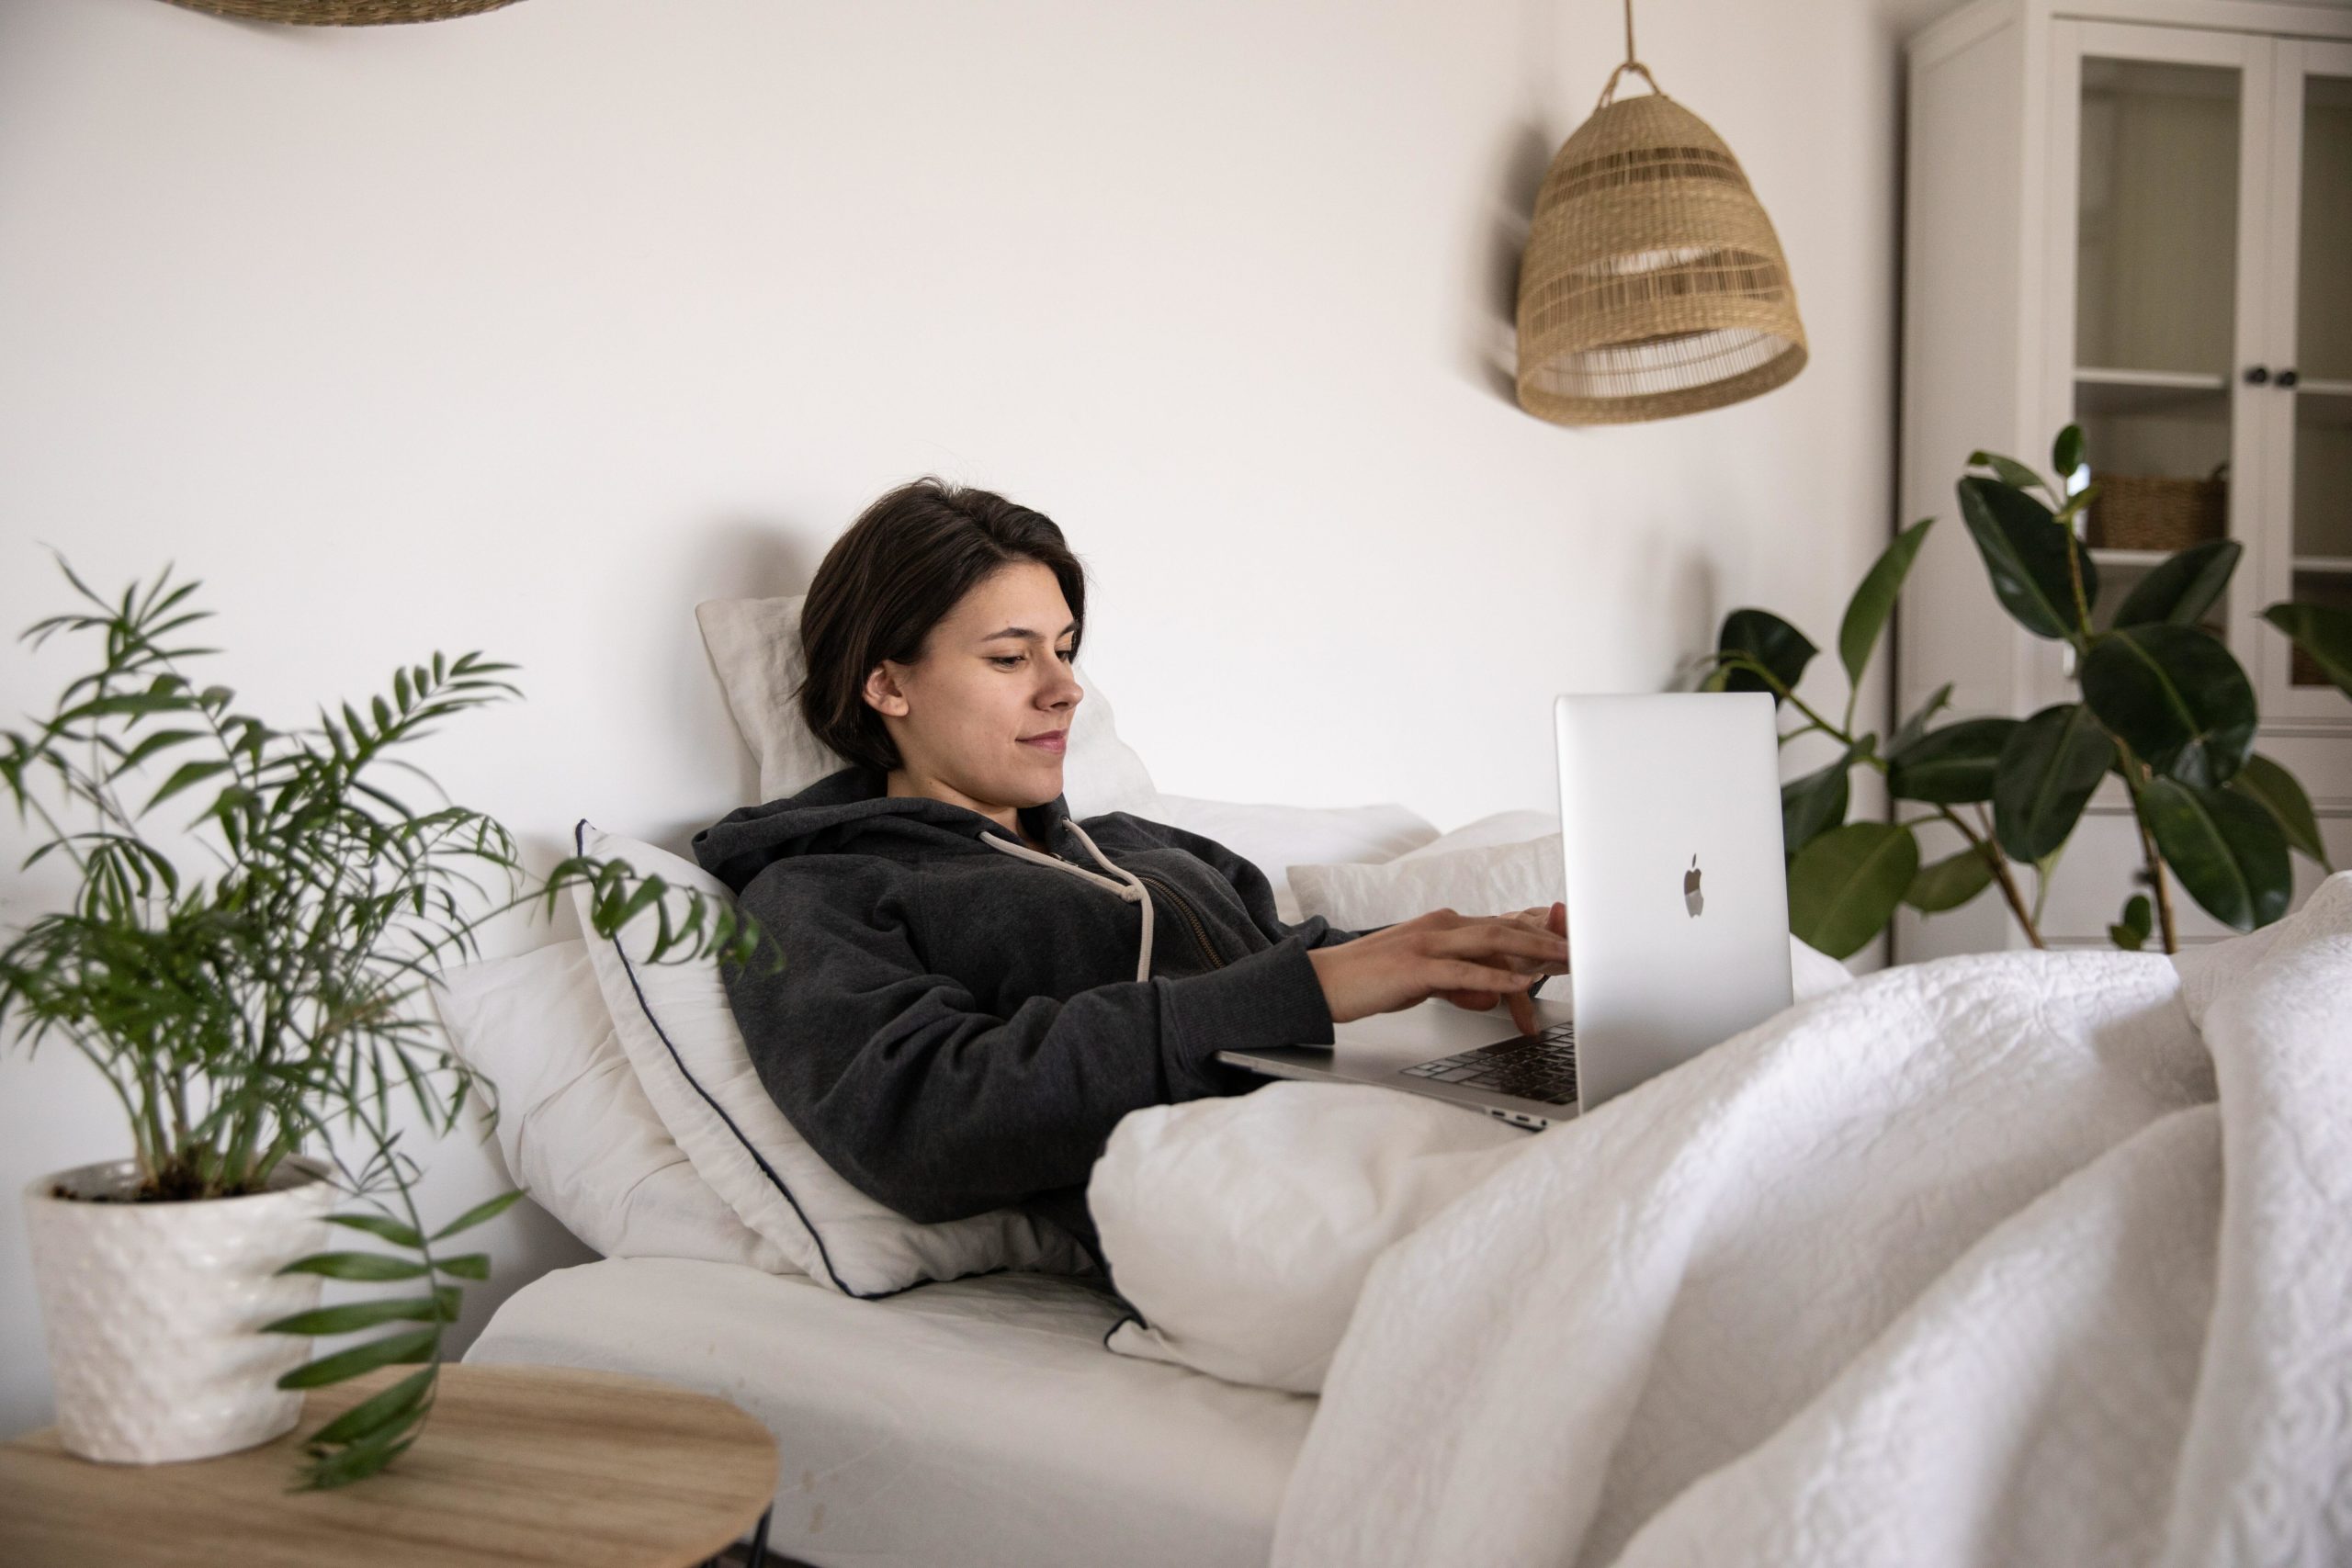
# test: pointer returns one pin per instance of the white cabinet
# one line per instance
(2135, 215)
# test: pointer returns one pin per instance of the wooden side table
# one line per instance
(515, 1464)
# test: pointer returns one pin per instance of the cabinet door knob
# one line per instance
(2257, 375)
(2287, 377)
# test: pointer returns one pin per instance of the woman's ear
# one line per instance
(882, 692)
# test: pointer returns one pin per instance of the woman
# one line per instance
(974, 986)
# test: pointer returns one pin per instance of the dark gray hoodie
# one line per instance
(959, 1021)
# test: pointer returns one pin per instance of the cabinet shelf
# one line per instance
(2323, 402)
(2099, 392)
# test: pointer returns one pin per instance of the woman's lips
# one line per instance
(1057, 742)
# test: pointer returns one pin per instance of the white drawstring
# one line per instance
(1129, 886)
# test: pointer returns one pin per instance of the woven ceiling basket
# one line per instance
(343, 13)
(1653, 284)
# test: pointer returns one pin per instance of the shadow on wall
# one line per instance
(1491, 338)
(739, 557)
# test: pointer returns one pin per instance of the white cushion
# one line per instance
(678, 1030)
(1242, 1229)
(1275, 838)
(1495, 879)
(1491, 879)
(755, 646)
(1502, 827)
(576, 1129)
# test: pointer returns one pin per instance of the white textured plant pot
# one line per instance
(153, 1310)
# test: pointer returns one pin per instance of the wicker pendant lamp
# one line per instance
(343, 13)
(1653, 284)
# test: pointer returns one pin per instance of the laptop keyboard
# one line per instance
(1533, 1066)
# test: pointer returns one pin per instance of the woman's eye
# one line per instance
(1007, 660)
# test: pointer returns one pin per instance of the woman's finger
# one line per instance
(1492, 938)
(1455, 974)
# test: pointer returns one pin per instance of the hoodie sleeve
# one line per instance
(926, 1103)
(1256, 892)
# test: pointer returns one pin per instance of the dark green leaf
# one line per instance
(1771, 642)
(2227, 851)
(2278, 793)
(378, 1410)
(2025, 552)
(2014, 474)
(1908, 733)
(183, 776)
(358, 1462)
(1813, 805)
(2175, 697)
(2131, 933)
(353, 1316)
(355, 1265)
(2180, 589)
(465, 1264)
(411, 1345)
(1950, 765)
(2044, 778)
(1844, 885)
(2066, 452)
(1873, 600)
(1950, 883)
(489, 1209)
(152, 743)
(2324, 633)
(390, 1230)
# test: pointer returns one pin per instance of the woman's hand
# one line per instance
(1469, 960)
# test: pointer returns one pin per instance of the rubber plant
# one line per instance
(242, 1014)
(2162, 706)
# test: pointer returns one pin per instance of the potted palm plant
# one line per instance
(249, 982)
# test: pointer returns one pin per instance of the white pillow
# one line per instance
(755, 646)
(1502, 827)
(678, 1030)
(1494, 879)
(1275, 838)
(576, 1129)
(1497, 879)
(1243, 1228)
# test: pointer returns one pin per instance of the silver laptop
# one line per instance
(1677, 922)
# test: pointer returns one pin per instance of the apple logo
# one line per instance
(1693, 899)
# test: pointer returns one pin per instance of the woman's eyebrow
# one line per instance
(1024, 633)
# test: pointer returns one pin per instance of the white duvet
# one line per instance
(2027, 1257)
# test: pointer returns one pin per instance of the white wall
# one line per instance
(526, 331)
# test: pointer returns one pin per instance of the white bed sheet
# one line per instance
(977, 1422)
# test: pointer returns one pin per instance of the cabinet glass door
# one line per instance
(2159, 197)
(2316, 90)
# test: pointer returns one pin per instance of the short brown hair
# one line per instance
(903, 565)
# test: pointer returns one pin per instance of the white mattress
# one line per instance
(977, 1423)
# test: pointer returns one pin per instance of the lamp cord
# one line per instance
(1632, 62)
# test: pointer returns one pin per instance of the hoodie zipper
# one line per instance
(1192, 922)
(1199, 932)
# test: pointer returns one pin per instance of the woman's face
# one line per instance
(994, 677)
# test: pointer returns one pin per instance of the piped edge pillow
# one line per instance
(754, 645)
(678, 1030)
(575, 1128)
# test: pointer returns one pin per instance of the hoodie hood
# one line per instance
(852, 812)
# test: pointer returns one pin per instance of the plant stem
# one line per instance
(2156, 875)
(2000, 864)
